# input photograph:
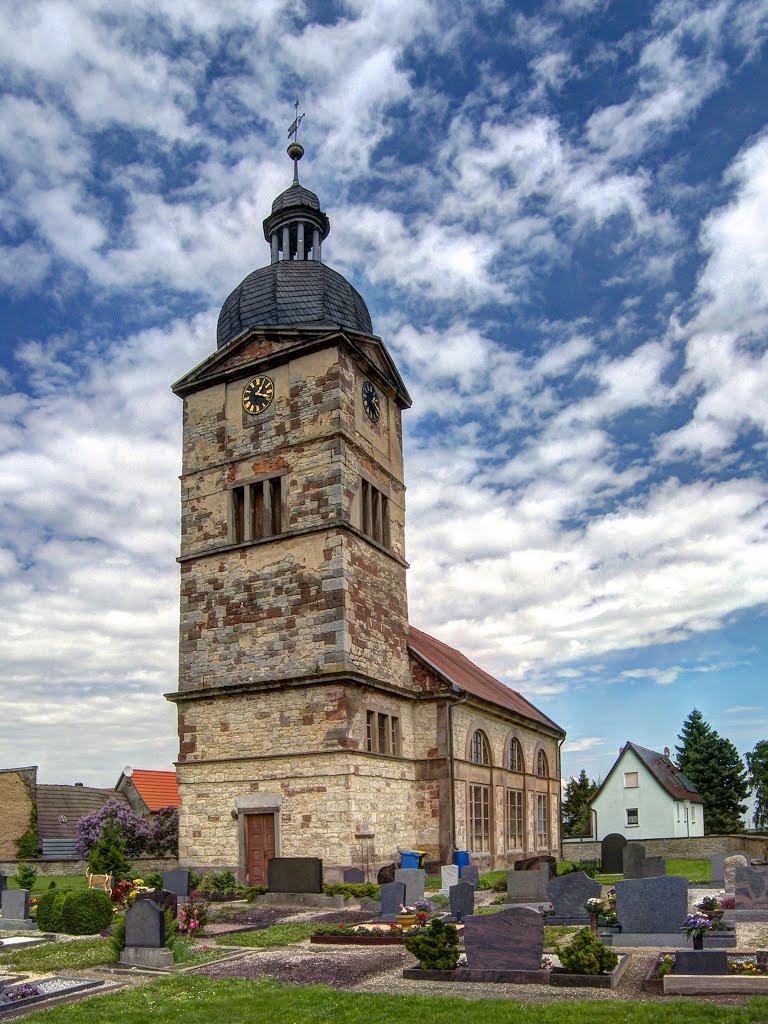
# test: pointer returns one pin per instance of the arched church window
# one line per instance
(542, 766)
(479, 751)
(515, 761)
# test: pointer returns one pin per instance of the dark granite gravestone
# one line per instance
(569, 893)
(386, 874)
(528, 886)
(512, 940)
(413, 879)
(15, 904)
(353, 876)
(534, 863)
(295, 874)
(462, 900)
(612, 854)
(145, 925)
(470, 874)
(652, 867)
(652, 905)
(392, 897)
(634, 858)
(163, 898)
(3, 882)
(751, 888)
(701, 961)
(177, 881)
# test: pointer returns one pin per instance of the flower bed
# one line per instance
(745, 974)
(359, 935)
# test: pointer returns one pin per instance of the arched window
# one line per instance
(478, 753)
(515, 756)
(542, 768)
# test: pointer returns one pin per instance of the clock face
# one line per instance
(371, 402)
(257, 395)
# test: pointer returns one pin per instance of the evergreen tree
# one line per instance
(107, 855)
(577, 820)
(713, 765)
(757, 763)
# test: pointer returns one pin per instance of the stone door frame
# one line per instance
(255, 803)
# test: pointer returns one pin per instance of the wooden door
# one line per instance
(261, 846)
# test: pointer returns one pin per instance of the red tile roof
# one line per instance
(667, 774)
(156, 789)
(456, 668)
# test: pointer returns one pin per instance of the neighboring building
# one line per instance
(60, 808)
(148, 791)
(645, 796)
(312, 721)
(18, 794)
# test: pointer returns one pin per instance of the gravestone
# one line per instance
(295, 874)
(163, 898)
(15, 906)
(512, 940)
(612, 854)
(392, 897)
(652, 867)
(634, 858)
(701, 961)
(534, 863)
(145, 936)
(470, 873)
(717, 863)
(462, 900)
(652, 905)
(353, 876)
(569, 893)
(3, 882)
(751, 889)
(528, 886)
(731, 864)
(413, 880)
(177, 881)
(449, 875)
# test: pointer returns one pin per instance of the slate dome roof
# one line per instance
(290, 293)
(295, 195)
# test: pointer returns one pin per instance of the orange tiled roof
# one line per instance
(156, 789)
(458, 669)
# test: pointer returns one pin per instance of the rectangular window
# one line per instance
(693, 814)
(515, 819)
(542, 820)
(374, 517)
(382, 733)
(256, 510)
(631, 780)
(632, 816)
(677, 805)
(479, 819)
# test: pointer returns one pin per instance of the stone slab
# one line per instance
(539, 977)
(751, 888)
(154, 958)
(528, 886)
(295, 874)
(470, 873)
(15, 904)
(717, 863)
(745, 916)
(612, 854)
(652, 867)
(177, 881)
(569, 893)
(701, 961)
(633, 859)
(353, 876)
(664, 940)
(18, 924)
(736, 860)
(24, 941)
(652, 904)
(462, 900)
(145, 925)
(691, 985)
(449, 875)
(512, 940)
(413, 879)
(392, 896)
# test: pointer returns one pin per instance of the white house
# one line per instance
(645, 796)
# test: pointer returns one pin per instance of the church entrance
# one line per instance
(260, 848)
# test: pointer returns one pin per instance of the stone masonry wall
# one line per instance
(693, 847)
(15, 810)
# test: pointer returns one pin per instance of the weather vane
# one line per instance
(294, 129)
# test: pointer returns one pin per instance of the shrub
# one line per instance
(107, 855)
(117, 938)
(436, 946)
(154, 880)
(255, 890)
(48, 913)
(26, 875)
(359, 890)
(86, 912)
(586, 954)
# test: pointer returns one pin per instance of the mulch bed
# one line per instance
(304, 966)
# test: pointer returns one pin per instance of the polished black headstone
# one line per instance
(295, 874)
(462, 900)
(3, 882)
(353, 876)
(163, 898)
(177, 881)
(612, 854)
(634, 859)
(701, 961)
(392, 898)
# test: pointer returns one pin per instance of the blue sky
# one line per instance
(556, 212)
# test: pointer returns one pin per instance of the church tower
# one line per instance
(294, 624)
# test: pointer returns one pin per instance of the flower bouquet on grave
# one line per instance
(695, 927)
(594, 907)
(710, 907)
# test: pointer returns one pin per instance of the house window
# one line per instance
(375, 513)
(256, 510)
(542, 767)
(514, 819)
(478, 753)
(479, 819)
(631, 780)
(693, 814)
(677, 805)
(542, 818)
(632, 816)
(515, 756)
(382, 733)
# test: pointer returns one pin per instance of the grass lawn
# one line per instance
(43, 882)
(243, 1002)
(277, 935)
(693, 870)
(56, 956)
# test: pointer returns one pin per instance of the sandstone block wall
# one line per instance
(17, 788)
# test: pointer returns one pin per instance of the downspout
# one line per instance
(560, 795)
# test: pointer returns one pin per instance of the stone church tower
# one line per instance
(304, 729)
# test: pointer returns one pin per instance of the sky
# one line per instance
(556, 213)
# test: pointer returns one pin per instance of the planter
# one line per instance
(559, 976)
(714, 984)
(407, 920)
(357, 940)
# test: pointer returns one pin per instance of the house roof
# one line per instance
(70, 803)
(156, 789)
(667, 774)
(457, 669)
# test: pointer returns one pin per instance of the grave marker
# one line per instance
(392, 896)
(512, 940)
(145, 937)
(413, 880)
(449, 875)
(295, 874)
(569, 893)
(462, 900)
(701, 961)
(738, 860)
(612, 854)
(15, 905)
(528, 886)
(652, 867)
(634, 858)
(177, 881)
(652, 905)
(353, 876)
(470, 873)
(751, 888)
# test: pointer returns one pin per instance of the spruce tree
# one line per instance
(713, 765)
(757, 763)
(575, 807)
(693, 733)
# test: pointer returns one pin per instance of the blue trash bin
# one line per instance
(410, 859)
(461, 859)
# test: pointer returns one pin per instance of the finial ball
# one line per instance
(295, 151)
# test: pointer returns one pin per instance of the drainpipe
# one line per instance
(560, 794)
